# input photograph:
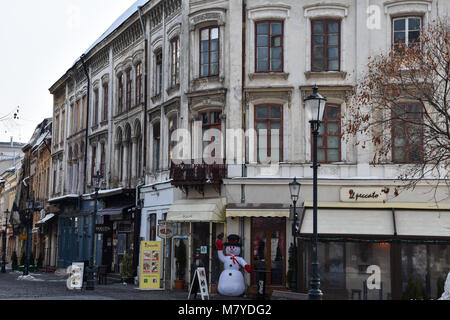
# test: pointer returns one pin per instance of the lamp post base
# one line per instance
(315, 294)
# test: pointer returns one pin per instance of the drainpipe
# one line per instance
(243, 99)
(145, 89)
(87, 121)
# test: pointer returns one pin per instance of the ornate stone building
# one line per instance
(243, 68)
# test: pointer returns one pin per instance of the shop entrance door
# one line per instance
(122, 241)
(200, 241)
(268, 250)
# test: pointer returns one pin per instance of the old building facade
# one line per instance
(170, 73)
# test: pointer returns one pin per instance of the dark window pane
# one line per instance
(214, 69)
(204, 70)
(414, 24)
(333, 128)
(414, 110)
(262, 28)
(275, 65)
(399, 37)
(276, 42)
(318, 52)
(318, 27)
(204, 58)
(318, 64)
(263, 53)
(414, 37)
(333, 155)
(214, 57)
(215, 45)
(333, 27)
(275, 112)
(204, 46)
(263, 66)
(321, 155)
(275, 29)
(332, 112)
(204, 118)
(318, 40)
(215, 117)
(262, 41)
(399, 155)
(319, 142)
(333, 40)
(275, 53)
(333, 53)
(399, 25)
(333, 142)
(333, 65)
(261, 113)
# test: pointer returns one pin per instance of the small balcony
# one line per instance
(197, 176)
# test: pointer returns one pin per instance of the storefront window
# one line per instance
(351, 270)
(424, 269)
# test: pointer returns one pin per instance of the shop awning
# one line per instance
(45, 219)
(113, 211)
(197, 210)
(423, 223)
(264, 213)
(349, 222)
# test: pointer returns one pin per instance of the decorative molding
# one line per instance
(207, 98)
(127, 38)
(272, 11)
(325, 10)
(281, 93)
(336, 92)
(326, 75)
(200, 84)
(404, 7)
(268, 75)
(207, 15)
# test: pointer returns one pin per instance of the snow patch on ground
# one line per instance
(28, 278)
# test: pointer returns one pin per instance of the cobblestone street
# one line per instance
(53, 287)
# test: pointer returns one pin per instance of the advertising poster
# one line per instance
(150, 262)
(75, 280)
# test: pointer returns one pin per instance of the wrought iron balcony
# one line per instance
(197, 176)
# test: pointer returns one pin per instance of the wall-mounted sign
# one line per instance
(165, 231)
(150, 266)
(101, 228)
(364, 194)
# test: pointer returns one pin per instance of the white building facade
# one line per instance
(247, 66)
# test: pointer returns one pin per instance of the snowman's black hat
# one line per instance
(233, 240)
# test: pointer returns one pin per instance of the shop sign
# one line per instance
(165, 231)
(23, 237)
(364, 194)
(150, 265)
(101, 228)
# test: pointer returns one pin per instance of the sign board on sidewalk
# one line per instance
(75, 280)
(200, 275)
(150, 265)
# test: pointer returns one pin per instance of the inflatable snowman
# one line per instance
(231, 281)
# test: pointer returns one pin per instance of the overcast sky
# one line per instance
(40, 40)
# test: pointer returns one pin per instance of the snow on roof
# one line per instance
(124, 17)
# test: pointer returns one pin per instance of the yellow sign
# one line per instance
(23, 237)
(150, 265)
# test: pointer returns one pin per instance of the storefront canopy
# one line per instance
(349, 222)
(423, 223)
(265, 213)
(113, 211)
(197, 210)
(45, 219)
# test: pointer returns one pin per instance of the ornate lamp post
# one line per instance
(315, 103)
(294, 188)
(90, 272)
(4, 242)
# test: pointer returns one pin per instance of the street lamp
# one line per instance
(294, 188)
(4, 242)
(90, 272)
(315, 104)
(30, 205)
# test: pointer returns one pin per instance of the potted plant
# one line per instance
(180, 265)
(126, 269)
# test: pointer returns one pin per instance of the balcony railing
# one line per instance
(197, 176)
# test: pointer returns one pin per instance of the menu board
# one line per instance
(75, 280)
(150, 265)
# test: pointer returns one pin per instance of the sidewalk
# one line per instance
(51, 286)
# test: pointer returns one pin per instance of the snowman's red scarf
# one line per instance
(233, 257)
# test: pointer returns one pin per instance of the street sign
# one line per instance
(165, 231)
